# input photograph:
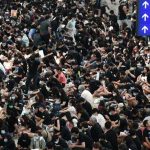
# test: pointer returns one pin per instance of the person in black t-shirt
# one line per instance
(80, 140)
(18, 71)
(96, 130)
(138, 131)
(24, 141)
(135, 139)
(65, 133)
(146, 134)
(58, 142)
(42, 116)
(111, 136)
(33, 66)
(86, 105)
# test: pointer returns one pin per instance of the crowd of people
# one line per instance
(73, 75)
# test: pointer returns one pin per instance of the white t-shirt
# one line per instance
(2, 68)
(72, 111)
(100, 119)
(88, 97)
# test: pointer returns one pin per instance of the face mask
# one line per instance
(5, 140)
(18, 39)
(107, 38)
(2, 131)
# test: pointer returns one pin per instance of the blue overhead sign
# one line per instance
(143, 18)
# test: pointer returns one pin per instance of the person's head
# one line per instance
(111, 12)
(146, 123)
(95, 111)
(108, 125)
(132, 132)
(84, 126)
(72, 102)
(135, 125)
(49, 146)
(59, 70)
(75, 132)
(97, 146)
(123, 147)
(146, 70)
(56, 136)
(81, 88)
(41, 108)
(81, 100)
(92, 120)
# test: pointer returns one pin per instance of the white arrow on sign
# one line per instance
(145, 28)
(145, 16)
(145, 4)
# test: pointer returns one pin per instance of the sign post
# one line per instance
(143, 18)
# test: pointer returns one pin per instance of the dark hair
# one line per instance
(49, 145)
(145, 122)
(123, 147)
(135, 125)
(108, 125)
(59, 69)
(81, 99)
(132, 132)
(97, 145)
(75, 130)
(95, 110)
(111, 12)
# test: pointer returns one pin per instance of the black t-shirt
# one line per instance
(114, 117)
(109, 75)
(32, 125)
(137, 142)
(146, 134)
(112, 138)
(84, 116)
(86, 139)
(61, 144)
(122, 14)
(24, 141)
(113, 18)
(94, 85)
(44, 115)
(11, 121)
(9, 145)
(87, 106)
(106, 145)
(33, 66)
(96, 132)
(65, 133)
(139, 135)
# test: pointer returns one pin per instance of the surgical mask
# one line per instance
(2, 131)
(18, 39)
(5, 140)
(107, 38)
